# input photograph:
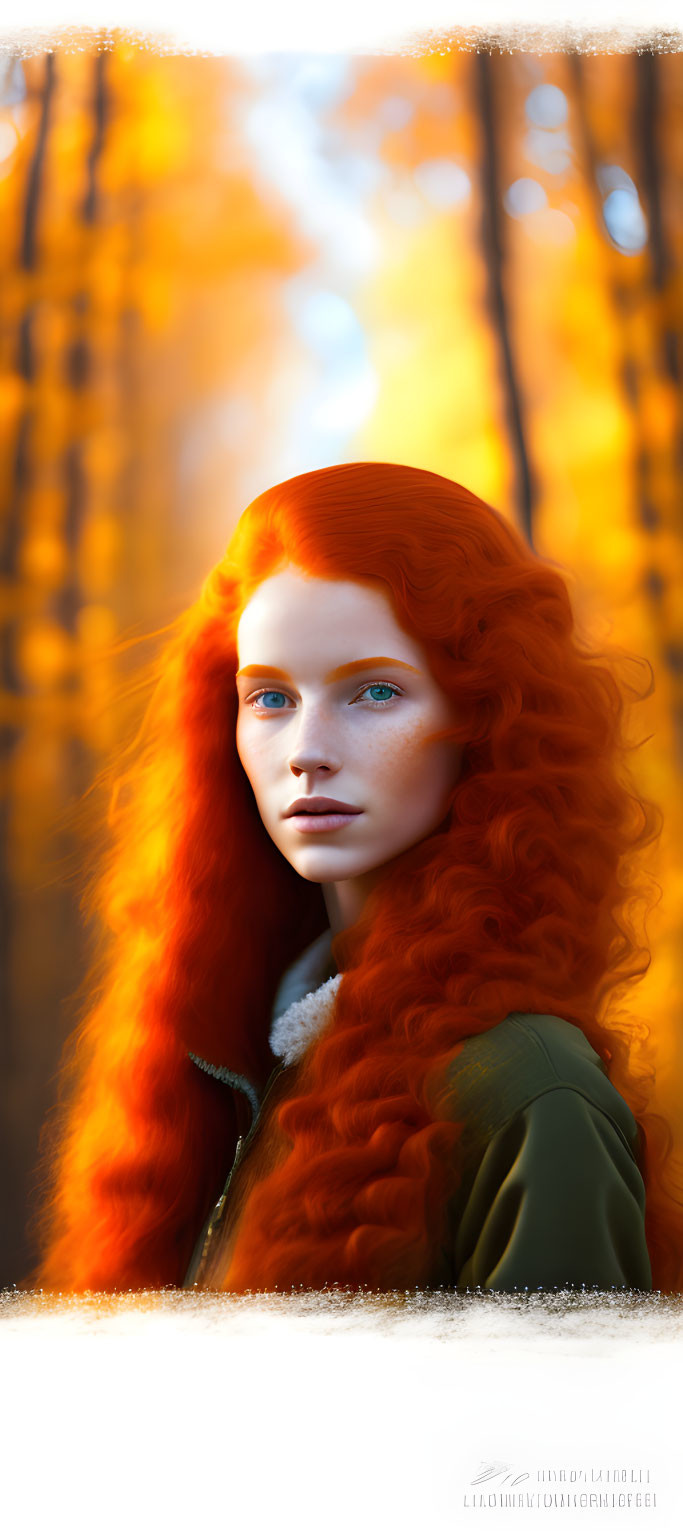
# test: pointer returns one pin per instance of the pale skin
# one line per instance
(336, 700)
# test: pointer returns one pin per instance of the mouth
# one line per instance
(321, 815)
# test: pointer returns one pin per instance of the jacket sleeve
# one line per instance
(557, 1202)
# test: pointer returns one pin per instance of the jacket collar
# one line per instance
(304, 1000)
(303, 1021)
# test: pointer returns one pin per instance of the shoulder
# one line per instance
(549, 1192)
(496, 1075)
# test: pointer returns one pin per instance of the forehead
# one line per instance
(295, 620)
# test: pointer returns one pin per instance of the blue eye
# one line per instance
(380, 693)
(271, 699)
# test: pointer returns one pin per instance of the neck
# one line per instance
(345, 900)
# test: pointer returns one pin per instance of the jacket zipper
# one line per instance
(217, 1215)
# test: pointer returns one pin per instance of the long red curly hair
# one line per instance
(527, 898)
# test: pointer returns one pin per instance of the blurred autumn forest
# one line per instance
(216, 273)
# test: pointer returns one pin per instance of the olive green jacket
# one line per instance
(550, 1194)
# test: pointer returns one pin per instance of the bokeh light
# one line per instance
(444, 183)
(524, 196)
(547, 106)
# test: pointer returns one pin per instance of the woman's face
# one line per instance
(337, 704)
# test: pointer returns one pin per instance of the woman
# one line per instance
(384, 1019)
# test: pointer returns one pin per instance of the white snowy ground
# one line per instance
(323, 1415)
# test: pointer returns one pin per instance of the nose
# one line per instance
(313, 751)
(312, 762)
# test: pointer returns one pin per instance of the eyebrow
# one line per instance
(346, 670)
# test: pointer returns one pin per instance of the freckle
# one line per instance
(403, 742)
(416, 735)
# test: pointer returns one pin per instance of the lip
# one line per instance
(318, 805)
(330, 821)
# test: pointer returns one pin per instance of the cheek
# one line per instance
(252, 758)
(400, 759)
(242, 745)
(419, 770)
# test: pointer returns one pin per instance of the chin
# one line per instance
(326, 870)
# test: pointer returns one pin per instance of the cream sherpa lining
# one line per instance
(303, 1021)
